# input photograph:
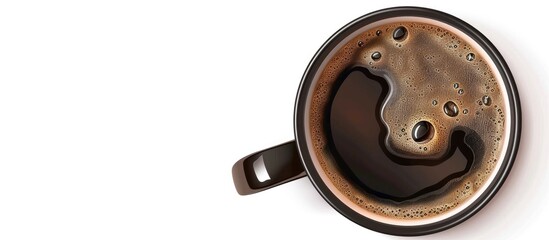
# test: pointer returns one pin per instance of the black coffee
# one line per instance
(407, 119)
(357, 133)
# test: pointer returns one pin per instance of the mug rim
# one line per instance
(305, 155)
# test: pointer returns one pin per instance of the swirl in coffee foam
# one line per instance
(427, 68)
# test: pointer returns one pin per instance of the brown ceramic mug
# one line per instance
(407, 122)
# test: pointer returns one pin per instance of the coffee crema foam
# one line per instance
(428, 67)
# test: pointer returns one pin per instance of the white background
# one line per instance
(122, 119)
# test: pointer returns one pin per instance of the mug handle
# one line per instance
(267, 168)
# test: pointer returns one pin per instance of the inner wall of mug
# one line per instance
(350, 194)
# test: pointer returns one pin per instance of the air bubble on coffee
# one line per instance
(399, 33)
(422, 131)
(486, 100)
(470, 57)
(451, 109)
(376, 55)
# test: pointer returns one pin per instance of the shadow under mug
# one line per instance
(292, 160)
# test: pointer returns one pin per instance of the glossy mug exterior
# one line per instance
(295, 159)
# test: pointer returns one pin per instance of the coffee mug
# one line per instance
(407, 122)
